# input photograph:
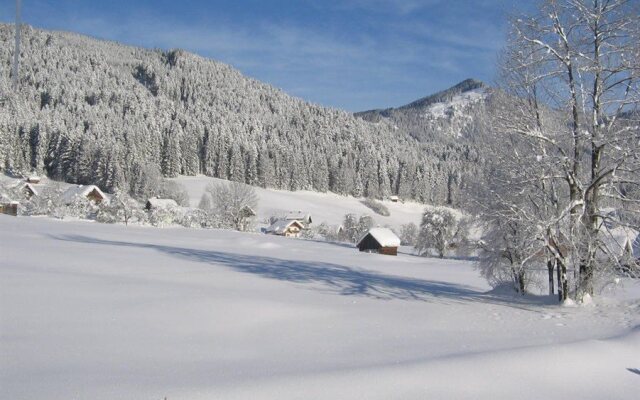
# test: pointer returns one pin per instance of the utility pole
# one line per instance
(16, 54)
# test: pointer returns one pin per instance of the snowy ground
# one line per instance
(93, 311)
(323, 207)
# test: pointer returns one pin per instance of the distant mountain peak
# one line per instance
(446, 95)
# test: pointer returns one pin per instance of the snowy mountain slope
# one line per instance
(97, 112)
(442, 117)
(108, 311)
(323, 207)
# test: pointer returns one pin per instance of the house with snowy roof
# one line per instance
(89, 192)
(380, 240)
(300, 216)
(284, 227)
(623, 242)
(155, 203)
(28, 190)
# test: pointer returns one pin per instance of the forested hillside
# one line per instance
(93, 111)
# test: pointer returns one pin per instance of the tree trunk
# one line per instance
(563, 285)
(550, 267)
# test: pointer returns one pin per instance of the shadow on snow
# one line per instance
(329, 277)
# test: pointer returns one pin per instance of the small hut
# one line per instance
(380, 240)
(283, 227)
(28, 191)
(10, 208)
(90, 192)
(35, 179)
(155, 203)
(394, 199)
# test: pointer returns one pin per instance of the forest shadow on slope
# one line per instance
(327, 277)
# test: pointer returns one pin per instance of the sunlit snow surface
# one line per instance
(92, 311)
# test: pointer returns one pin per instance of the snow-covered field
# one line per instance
(94, 311)
(323, 207)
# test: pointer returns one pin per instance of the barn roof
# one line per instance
(281, 225)
(80, 191)
(161, 204)
(384, 236)
(30, 187)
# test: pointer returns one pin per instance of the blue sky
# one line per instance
(351, 54)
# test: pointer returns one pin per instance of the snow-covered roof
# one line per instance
(281, 226)
(80, 191)
(33, 178)
(162, 204)
(394, 197)
(299, 216)
(30, 187)
(620, 238)
(384, 236)
(248, 211)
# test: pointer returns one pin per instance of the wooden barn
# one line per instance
(90, 192)
(283, 227)
(10, 208)
(380, 240)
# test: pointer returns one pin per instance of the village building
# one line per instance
(28, 190)
(33, 179)
(155, 203)
(90, 192)
(394, 199)
(380, 240)
(283, 227)
(300, 216)
(247, 212)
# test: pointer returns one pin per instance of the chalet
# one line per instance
(9, 208)
(28, 191)
(35, 179)
(380, 240)
(155, 203)
(394, 199)
(247, 212)
(623, 242)
(283, 227)
(302, 217)
(90, 192)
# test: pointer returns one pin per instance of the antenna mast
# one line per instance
(16, 54)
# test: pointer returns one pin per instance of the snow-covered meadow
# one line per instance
(96, 311)
(323, 207)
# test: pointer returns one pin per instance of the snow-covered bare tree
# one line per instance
(234, 203)
(572, 72)
(438, 230)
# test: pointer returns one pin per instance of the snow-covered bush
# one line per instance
(79, 207)
(233, 203)
(376, 207)
(121, 209)
(409, 234)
